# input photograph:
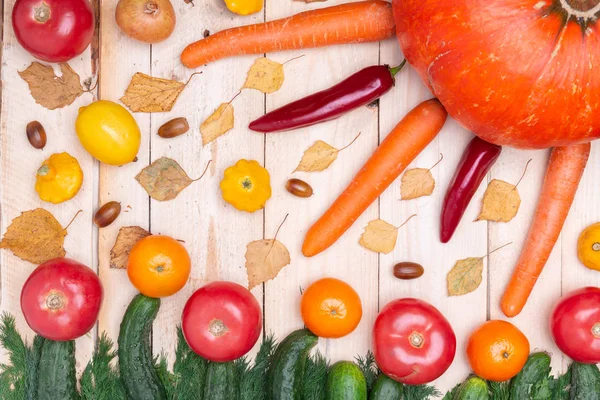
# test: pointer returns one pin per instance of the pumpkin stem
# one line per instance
(42, 13)
(581, 6)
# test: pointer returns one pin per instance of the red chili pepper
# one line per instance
(362, 88)
(478, 158)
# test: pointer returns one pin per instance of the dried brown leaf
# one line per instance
(35, 236)
(265, 75)
(465, 276)
(264, 259)
(49, 90)
(417, 182)
(317, 157)
(149, 94)
(127, 237)
(220, 122)
(379, 236)
(163, 179)
(501, 202)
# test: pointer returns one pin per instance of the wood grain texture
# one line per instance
(19, 163)
(216, 234)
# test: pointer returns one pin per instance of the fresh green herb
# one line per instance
(420, 392)
(451, 393)
(14, 381)
(369, 369)
(100, 380)
(161, 366)
(561, 386)
(253, 381)
(315, 377)
(499, 390)
(189, 371)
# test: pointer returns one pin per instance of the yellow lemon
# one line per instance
(108, 132)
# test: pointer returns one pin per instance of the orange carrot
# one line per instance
(563, 174)
(396, 152)
(366, 21)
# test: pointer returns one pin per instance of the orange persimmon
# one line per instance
(331, 308)
(158, 266)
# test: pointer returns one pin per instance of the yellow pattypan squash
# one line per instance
(246, 186)
(59, 178)
(244, 7)
(588, 247)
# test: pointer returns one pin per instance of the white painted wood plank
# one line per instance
(20, 161)
(346, 260)
(585, 212)
(418, 240)
(215, 233)
(533, 320)
(120, 58)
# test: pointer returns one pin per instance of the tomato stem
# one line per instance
(42, 13)
(596, 330)
(217, 328)
(416, 340)
(55, 301)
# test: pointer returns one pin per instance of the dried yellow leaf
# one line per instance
(465, 276)
(49, 90)
(264, 259)
(317, 157)
(35, 236)
(265, 75)
(127, 237)
(163, 179)
(148, 94)
(220, 122)
(379, 236)
(417, 182)
(501, 202)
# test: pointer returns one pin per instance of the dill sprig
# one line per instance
(499, 390)
(14, 380)
(369, 369)
(419, 392)
(315, 377)
(254, 380)
(189, 371)
(100, 380)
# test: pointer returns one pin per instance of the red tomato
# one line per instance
(61, 299)
(412, 341)
(221, 321)
(575, 325)
(53, 30)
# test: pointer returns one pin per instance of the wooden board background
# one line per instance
(216, 235)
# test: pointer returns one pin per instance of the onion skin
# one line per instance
(149, 21)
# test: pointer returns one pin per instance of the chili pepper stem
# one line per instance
(398, 68)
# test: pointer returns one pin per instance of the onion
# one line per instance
(149, 21)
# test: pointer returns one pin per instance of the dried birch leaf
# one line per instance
(317, 157)
(220, 122)
(465, 276)
(379, 236)
(148, 94)
(265, 75)
(417, 182)
(49, 90)
(501, 202)
(127, 237)
(35, 236)
(163, 179)
(264, 259)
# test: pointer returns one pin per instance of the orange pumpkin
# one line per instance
(522, 73)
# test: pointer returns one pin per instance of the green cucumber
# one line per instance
(286, 374)
(585, 382)
(221, 382)
(536, 369)
(56, 373)
(474, 388)
(385, 388)
(345, 381)
(136, 363)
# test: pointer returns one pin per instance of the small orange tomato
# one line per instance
(158, 266)
(331, 308)
(497, 350)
